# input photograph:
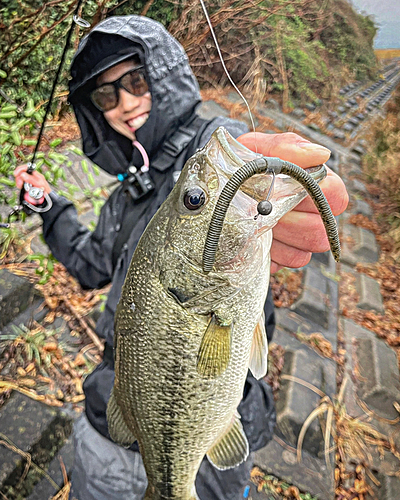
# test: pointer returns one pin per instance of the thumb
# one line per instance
(286, 146)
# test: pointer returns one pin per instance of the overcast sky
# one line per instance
(386, 13)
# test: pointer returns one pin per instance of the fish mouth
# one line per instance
(229, 155)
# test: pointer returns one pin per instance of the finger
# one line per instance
(335, 193)
(19, 169)
(303, 231)
(275, 267)
(287, 146)
(35, 179)
(19, 182)
(288, 256)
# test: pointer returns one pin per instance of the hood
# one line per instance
(174, 88)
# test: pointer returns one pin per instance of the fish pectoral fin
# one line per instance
(119, 431)
(231, 449)
(215, 349)
(259, 350)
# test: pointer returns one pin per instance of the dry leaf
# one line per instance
(27, 382)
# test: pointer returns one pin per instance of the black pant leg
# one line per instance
(214, 484)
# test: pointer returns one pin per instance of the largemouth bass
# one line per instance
(185, 339)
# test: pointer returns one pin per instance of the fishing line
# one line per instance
(259, 166)
(227, 72)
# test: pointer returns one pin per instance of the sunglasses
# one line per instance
(106, 97)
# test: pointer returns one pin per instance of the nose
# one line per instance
(127, 101)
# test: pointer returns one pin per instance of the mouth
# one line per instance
(135, 123)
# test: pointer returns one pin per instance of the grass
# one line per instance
(387, 53)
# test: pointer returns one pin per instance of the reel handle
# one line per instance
(34, 199)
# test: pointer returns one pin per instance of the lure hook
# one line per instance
(265, 207)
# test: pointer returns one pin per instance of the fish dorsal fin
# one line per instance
(119, 431)
(232, 448)
(259, 350)
(215, 349)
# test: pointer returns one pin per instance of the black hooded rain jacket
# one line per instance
(87, 255)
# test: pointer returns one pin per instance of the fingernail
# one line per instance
(310, 146)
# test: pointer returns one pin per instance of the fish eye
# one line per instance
(194, 198)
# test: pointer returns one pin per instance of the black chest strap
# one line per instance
(177, 143)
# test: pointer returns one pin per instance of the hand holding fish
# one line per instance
(301, 231)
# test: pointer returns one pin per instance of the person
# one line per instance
(135, 98)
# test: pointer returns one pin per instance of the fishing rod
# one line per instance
(33, 199)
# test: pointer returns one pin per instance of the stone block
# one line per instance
(389, 488)
(298, 113)
(272, 103)
(35, 311)
(348, 127)
(323, 257)
(44, 489)
(363, 248)
(16, 294)
(88, 218)
(359, 150)
(235, 98)
(310, 475)
(313, 302)
(333, 162)
(245, 117)
(210, 109)
(29, 425)
(370, 294)
(338, 134)
(359, 187)
(314, 126)
(296, 402)
(280, 124)
(341, 109)
(38, 246)
(353, 168)
(362, 207)
(375, 368)
(354, 121)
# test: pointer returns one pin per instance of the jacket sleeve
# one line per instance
(83, 253)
